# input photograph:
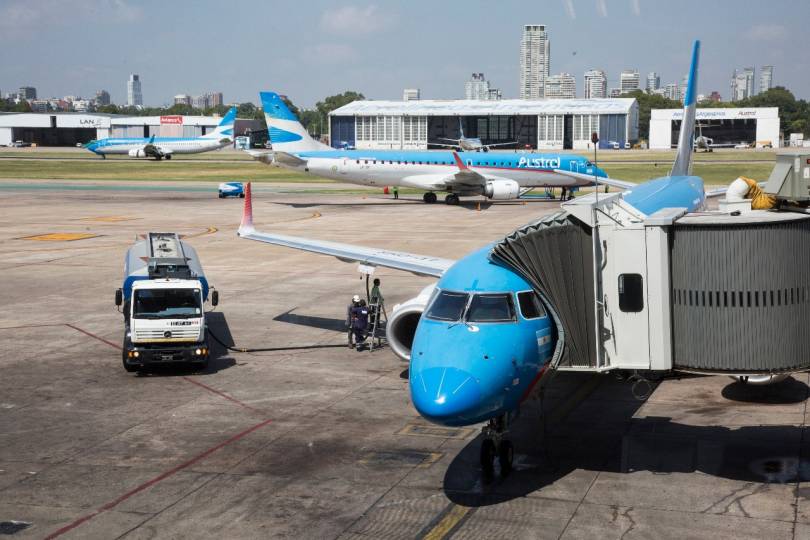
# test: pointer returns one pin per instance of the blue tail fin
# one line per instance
(683, 159)
(285, 131)
(229, 118)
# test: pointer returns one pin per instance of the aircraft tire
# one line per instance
(429, 197)
(487, 456)
(506, 454)
(451, 199)
(169, 156)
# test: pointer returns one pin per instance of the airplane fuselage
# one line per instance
(171, 144)
(430, 170)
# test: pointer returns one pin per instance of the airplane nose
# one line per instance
(444, 394)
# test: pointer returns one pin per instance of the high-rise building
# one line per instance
(765, 78)
(615, 92)
(201, 102)
(714, 96)
(534, 61)
(629, 80)
(682, 89)
(27, 92)
(411, 94)
(562, 86)
(182, 99)
(102, 98)
(653, 82)
(216, 99)
(742, 84)
(134, 95)
(479, 88)
(672, 91)
(595, 84)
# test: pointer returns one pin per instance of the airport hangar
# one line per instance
(554, 124)
(724, 126)
(69, 129)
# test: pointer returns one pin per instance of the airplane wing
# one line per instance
(422, 265)
(500, 144)
(446, 145)
(450, 140)
(271, 156)
(612, 182)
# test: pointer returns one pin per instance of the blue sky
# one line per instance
(312, 49)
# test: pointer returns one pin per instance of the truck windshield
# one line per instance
(167, 304)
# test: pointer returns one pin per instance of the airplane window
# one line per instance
(491, 308)
(530, 305)
(358, 162)
(448, 306)
(366, 161)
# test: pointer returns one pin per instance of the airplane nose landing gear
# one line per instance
(496, 444)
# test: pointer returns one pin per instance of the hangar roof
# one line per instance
(467, 107)
(95, 120)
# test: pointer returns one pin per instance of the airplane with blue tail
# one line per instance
(165, 147)
(480, 338)
(497, 176)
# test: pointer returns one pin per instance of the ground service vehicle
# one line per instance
(231, 189)
(163, 294)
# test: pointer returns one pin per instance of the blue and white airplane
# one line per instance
(165, 147)
(495, 176)
(469, 144)
(480, 338)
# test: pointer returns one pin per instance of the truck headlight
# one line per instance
(136, 354)
(198, 352)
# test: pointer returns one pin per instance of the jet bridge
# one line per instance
(711, 292)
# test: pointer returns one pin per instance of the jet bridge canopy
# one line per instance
(555, 255)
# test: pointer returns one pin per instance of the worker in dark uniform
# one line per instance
(354, 303)
(360, 322)
(376, 301)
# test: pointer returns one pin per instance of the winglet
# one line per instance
(459, 162)
(246, 227)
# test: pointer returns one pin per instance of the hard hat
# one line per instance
(356, 298)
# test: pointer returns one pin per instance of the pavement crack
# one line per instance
(626, 515)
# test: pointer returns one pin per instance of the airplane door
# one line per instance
(343, 166)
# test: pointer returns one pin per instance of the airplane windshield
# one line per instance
(448, 306)
(491, 308)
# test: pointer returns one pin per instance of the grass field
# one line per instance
(633, 166)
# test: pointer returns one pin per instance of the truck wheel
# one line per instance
(241, 195)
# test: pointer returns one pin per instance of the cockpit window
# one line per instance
(530, 306)
(491, 308)
(448, 306)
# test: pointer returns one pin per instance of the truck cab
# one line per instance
(163, 299)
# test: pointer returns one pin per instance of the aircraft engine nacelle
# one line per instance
(137, 152)
(501, 190)
(401, 327)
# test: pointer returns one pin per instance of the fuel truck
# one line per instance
(163, 295)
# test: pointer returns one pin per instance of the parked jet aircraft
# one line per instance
(496, 176)
(165, 147)
(469, 144)
(480, 339)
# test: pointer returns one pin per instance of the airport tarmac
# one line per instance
(309, 439)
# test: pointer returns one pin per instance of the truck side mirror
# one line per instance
(119, 297)
(214, 297)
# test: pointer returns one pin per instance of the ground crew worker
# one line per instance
(376, 301)
(354, 303)
(359, 315)
(395, 189)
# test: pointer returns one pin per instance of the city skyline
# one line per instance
(349, 54)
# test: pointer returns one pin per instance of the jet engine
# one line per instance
(137, 152)
(501, 190)
(401, 326)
